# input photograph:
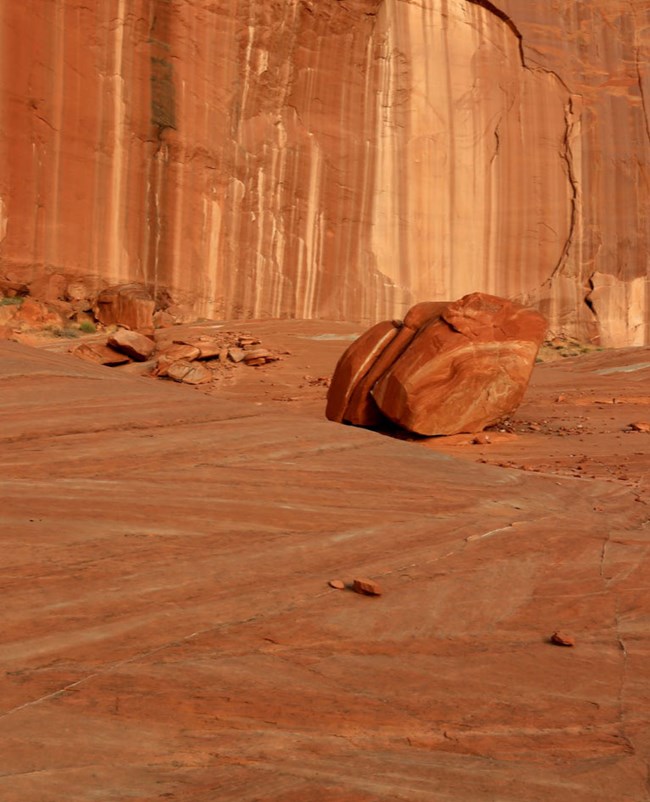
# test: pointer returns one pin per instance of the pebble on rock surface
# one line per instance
(640, 426)
(337, 584)
(367, 587)
(562, 639)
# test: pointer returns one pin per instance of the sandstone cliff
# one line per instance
(332, 158)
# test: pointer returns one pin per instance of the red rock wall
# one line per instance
(332, 158)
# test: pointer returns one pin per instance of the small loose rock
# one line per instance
(337, 584)
(236, 354)
(367, 587)
(562, 639)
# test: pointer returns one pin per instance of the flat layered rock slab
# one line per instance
(168, 630)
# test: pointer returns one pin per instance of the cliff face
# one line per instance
(339, 158)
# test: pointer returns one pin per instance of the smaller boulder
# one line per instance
(236, 354)
(135, 345)
(246, 341)
(178, 350)
(189, 373)
(99, 354)
(174, 353)
(207, 347)
(562, 639)
(367, 587)
(258, 356)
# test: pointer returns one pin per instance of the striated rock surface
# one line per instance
(166, 622)
(341, 160)
(450, 368)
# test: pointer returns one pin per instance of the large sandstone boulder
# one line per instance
(449, 368)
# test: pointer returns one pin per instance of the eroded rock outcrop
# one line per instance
(329, 159)
(128, 305)
(449, 368)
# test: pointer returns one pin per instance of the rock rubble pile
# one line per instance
(194, 359)
(68, 308)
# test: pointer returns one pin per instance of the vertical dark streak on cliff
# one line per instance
(644, 107)
(163, 117)
(643, 99)
(639, 77)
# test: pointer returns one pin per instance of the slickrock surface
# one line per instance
(575, 421)
(168, 631)
(318, 158)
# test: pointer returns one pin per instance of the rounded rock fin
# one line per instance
(354, 364)
(362, 409)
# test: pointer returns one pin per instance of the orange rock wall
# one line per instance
(332, 158)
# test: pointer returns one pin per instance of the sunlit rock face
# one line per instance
(332, 158)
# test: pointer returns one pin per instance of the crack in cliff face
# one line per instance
(567, 157)
(520, 39)
(587, 299)
(497, 141)
(507, 20)
(569, 118)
